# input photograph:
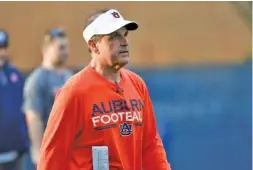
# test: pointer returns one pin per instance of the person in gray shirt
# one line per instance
(42, 85)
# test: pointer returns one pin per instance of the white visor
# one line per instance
(107, 23)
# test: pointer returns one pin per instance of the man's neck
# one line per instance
(110, 73)
(2, 64)
(51, 66)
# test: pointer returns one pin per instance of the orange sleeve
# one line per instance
(63, 125)
(154, 155)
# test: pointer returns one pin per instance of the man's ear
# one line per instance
(93, 46)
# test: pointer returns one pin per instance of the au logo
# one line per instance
(125, 129)
(115, 14)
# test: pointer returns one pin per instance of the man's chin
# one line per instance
(59, 63)
(2, 62)
(121, 64)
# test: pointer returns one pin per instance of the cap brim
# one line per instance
(131, 26)
(3, 38)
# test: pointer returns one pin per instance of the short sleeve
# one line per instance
(33, 93)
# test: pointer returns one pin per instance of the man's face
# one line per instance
(4, 56)
(58, 51)
(113, 48)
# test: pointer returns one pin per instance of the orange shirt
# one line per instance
(92, 111)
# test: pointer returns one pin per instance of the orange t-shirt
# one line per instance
(92, 111)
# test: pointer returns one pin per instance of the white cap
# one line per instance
(107, 23)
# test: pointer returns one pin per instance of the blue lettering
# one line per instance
(134, 104)
(127, 108)
(96, 109)
(104, 109)
(141, 105)
(117, 105)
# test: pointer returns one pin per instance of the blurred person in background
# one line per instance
(14, 141)
(106, 106)
(42, 85)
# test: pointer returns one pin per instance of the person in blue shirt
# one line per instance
(14, 140)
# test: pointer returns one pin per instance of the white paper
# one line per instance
(100, 158)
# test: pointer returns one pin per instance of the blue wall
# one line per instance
(204, 115)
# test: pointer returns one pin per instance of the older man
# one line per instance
(103, 116)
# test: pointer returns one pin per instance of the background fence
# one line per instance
(204, 115)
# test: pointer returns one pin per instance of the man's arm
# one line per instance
(64, 123)
(33, 107)
(35, 129)
(154, 156)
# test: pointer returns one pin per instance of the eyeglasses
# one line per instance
(54, 33)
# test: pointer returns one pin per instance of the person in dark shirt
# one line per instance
(14, 141)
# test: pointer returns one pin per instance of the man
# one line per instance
(14, 141)
(104, 112)
(42, 85)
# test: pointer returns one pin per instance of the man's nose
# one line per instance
(123, 40)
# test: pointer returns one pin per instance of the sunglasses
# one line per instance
(55, 33)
